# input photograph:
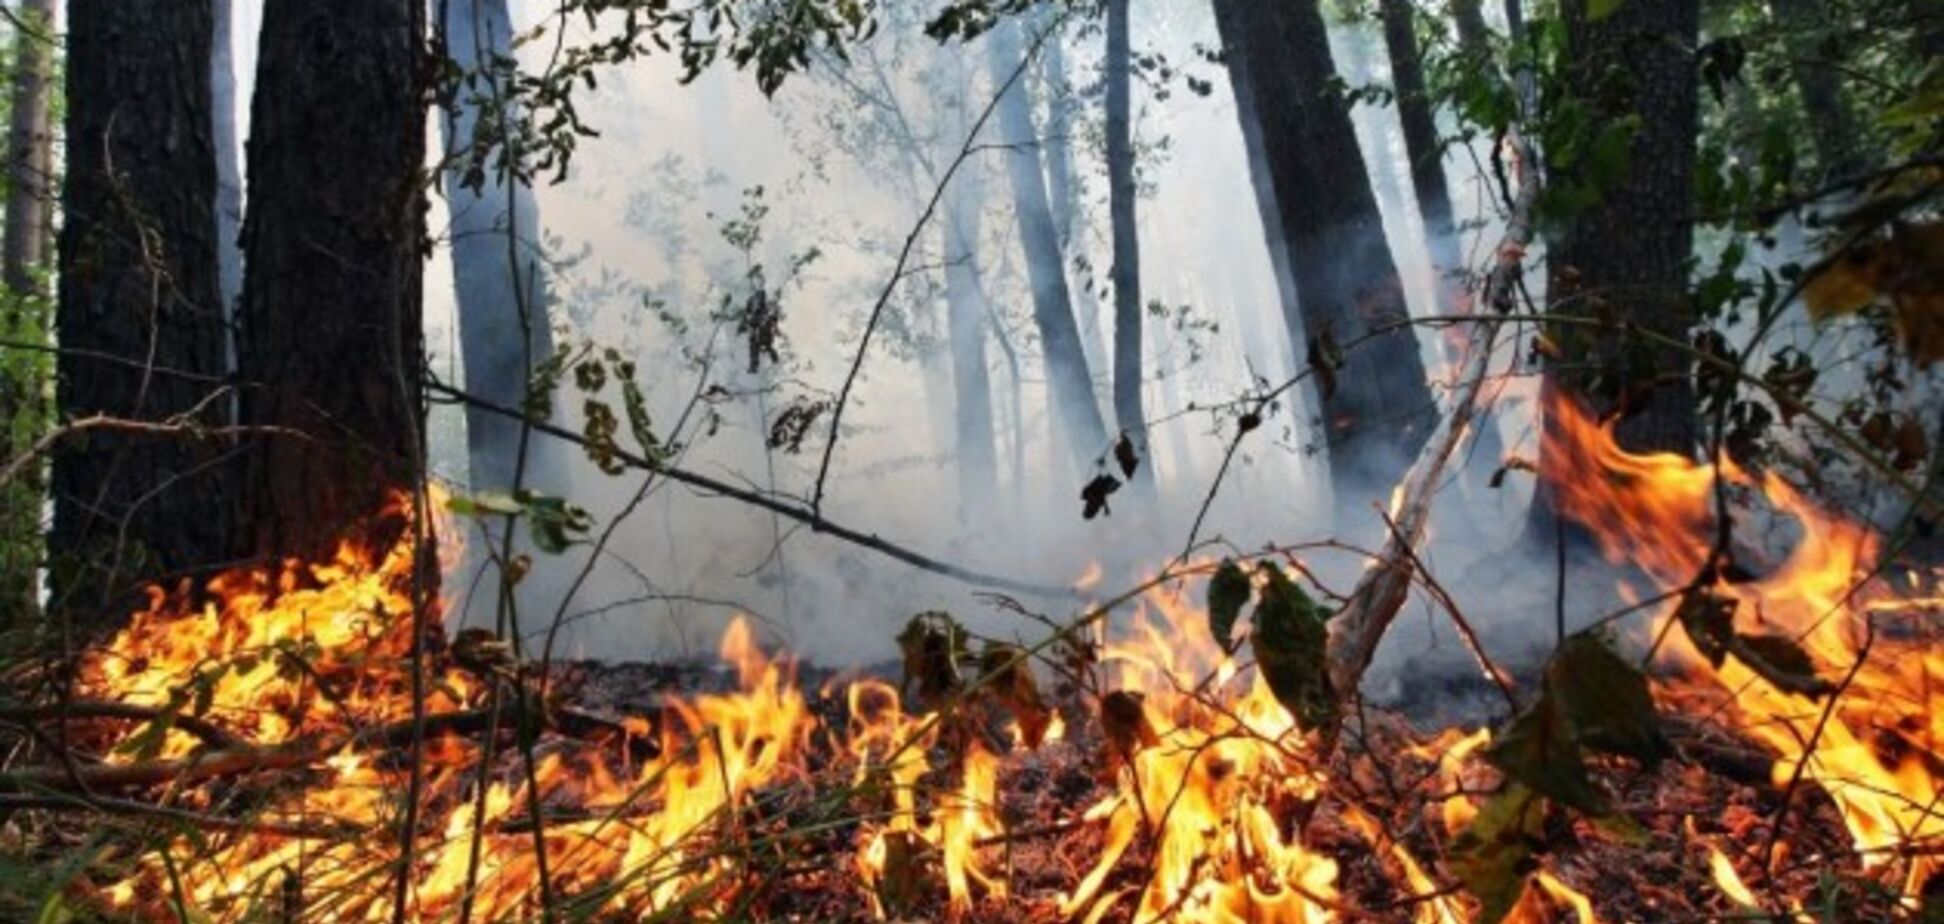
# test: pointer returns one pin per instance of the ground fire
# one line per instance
(271, 721)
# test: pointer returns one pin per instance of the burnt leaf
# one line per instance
(1495, 853)
(901, 884)
(1709, 620)
(1124, 725)
(1093, 497)
(1540, 751)
(1781, 662)
(1125, 456)
(792, 425)
(1606, 700)
(1290, 642)
(1009, 675)
(1248, 422)
(1228, 592)
(1325, 357)
(933, 644)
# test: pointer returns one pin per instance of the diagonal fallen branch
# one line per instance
(1382, 590)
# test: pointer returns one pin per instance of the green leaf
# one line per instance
(1228, 592)
(484, 504)
(1540, 751)
(1290, 642)
(1597, 10)
(1496, 852)
(1606, 700)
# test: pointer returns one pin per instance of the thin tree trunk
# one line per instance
(229, 167)
(330, 340)
(1380, 410)
(1474, 39)
(1127, 244)
(23, 260)
(1625, 258)
(1422, 147)
(1807, 28)
(1069, 381)
(965, 311)
(498, 273)
(138, 283)
(1064, 188)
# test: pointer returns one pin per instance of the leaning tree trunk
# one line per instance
(330, 345)
(1380, 410)
(1127, 244)
(497, 267)
(1624, 259)
(23, 259)
(140, 319)
(1069, 381)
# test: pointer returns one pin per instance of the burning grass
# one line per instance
(263, 735)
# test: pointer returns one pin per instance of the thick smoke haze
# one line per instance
(692, 196)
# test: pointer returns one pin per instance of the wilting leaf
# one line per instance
(933, 644)
(483, 504)
(1125, 456)
(1325, 357)
(1496, 852)
(1228, 592)
(1540, 751)
(1709, 620)
(1009, 675)
(553, 523)
(1782, 662)
(1123, 722)
(1094, 496)
(1290, 641)
(1606, 699)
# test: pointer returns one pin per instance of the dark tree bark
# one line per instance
(1474, 39)
(23, 257)
(504, 327)
(1127, 243)
(1625, 258)
(138, 284)
(1811, 59)
(1380, 410)
(1070, 383)
(1422, 147)
(330, 342)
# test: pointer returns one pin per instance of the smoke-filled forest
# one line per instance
(1056, 461)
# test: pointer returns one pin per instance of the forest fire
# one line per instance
(1208, 795)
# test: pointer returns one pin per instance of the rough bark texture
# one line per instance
(138, 283)
(1121, 194)
(497, 267)
(1814, 61)
(330, 324)
(1070, 383)
(1380, 410)
(24, 249)
(1624, 259)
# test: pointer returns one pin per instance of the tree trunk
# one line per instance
(1624, 259)
(140, 317)
(1474, 39)
(1128, 309)
(23, 312)
(966, 320)
(1380, 410)
(1422, 147)
(1812, 59)
(330, 340)
(1070, 383)
(497, 267)
(1063, 185)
